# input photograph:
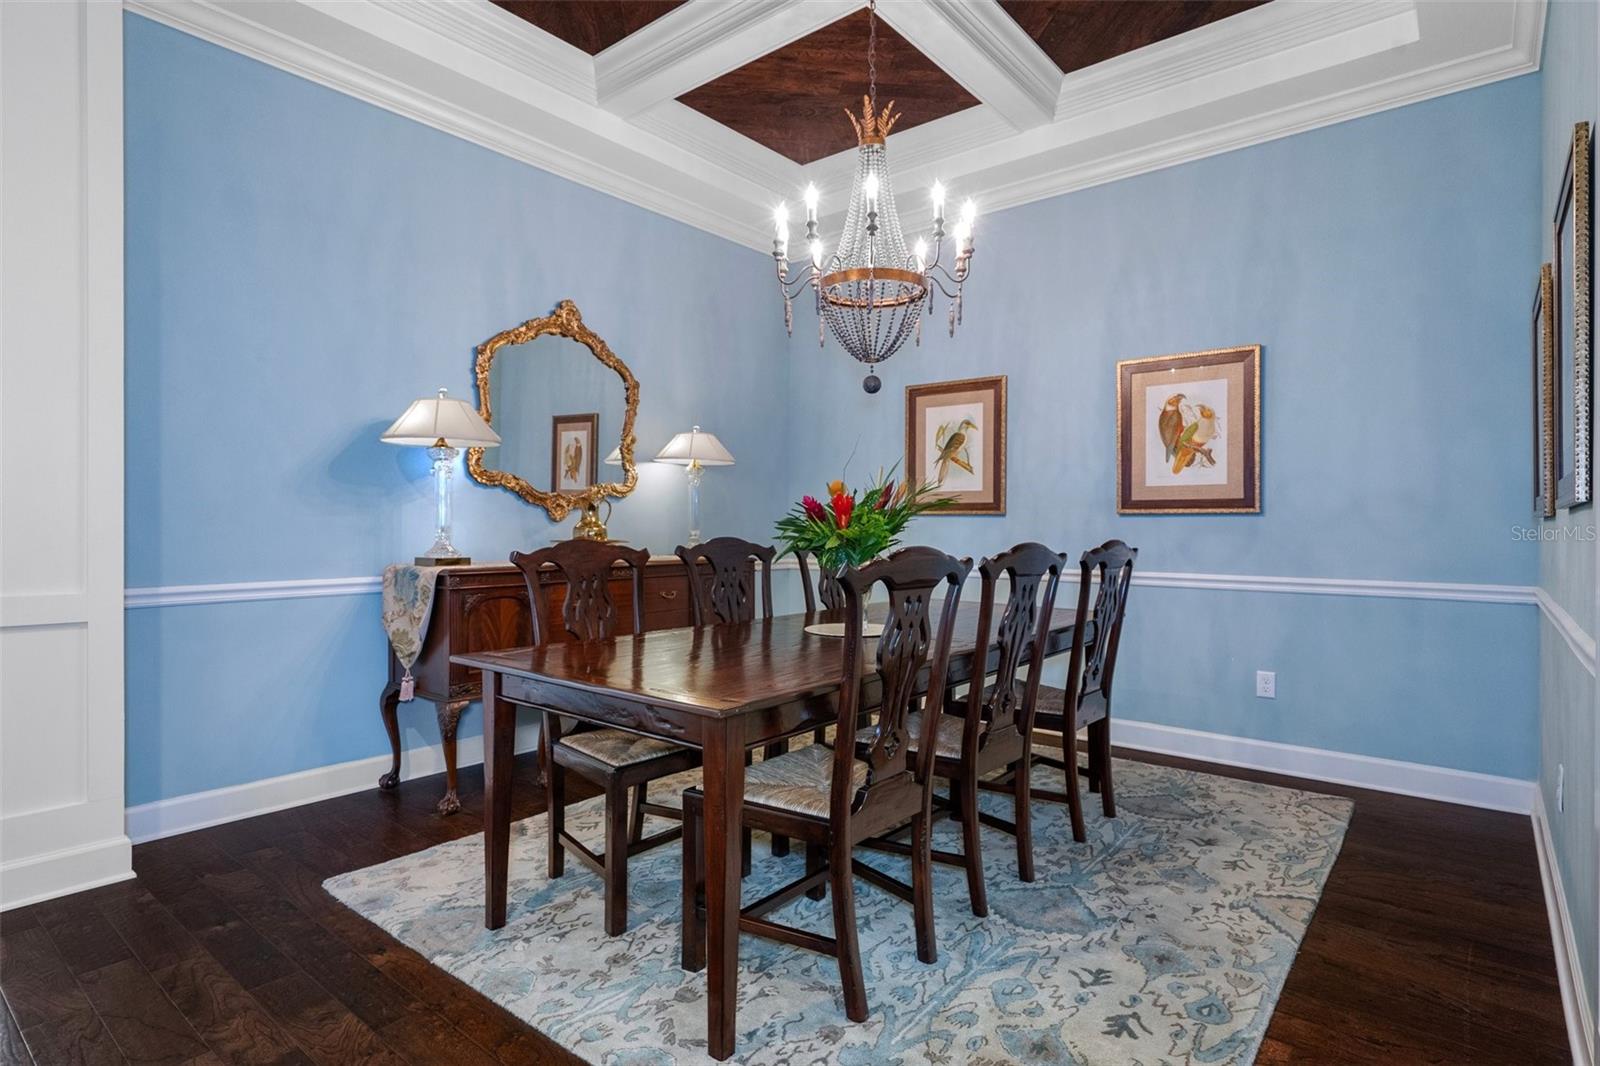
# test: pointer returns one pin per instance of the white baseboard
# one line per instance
(200, 810)
(60, 873)
(1362, 771)
(1569, 970)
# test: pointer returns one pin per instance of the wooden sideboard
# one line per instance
(485, 608)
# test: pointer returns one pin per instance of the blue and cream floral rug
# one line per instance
(1165, 939)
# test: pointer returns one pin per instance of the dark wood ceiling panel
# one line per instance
(794, 100)
(1080, 33)
(592, 25)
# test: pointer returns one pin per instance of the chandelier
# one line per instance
(872, 290)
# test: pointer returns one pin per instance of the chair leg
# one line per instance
(1069, 755)
(816, 860)
(616, 903)
(780, 844)
(971, 845)
(1100, 745)
(636, 814)
(555, 796)
(844, 931)
(694, 891)
(744, 853)
(922, 886)
(1021, 789)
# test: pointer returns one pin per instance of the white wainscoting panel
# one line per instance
(61, 617)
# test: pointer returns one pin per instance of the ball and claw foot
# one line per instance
(389, 780)
(450, 804)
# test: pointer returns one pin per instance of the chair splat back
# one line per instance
(912, 577)
(1092, 671)
(827, 587)
(730, 596)
(1024, 624)
(588, 612)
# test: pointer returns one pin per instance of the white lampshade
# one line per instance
(615, 458)
(435, 418)
(695, 446)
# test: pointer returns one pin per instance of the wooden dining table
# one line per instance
(723, 689)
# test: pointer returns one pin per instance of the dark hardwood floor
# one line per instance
(1430, 946)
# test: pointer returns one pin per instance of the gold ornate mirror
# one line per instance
(550, 388)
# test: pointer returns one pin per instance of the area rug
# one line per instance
(1166, 938)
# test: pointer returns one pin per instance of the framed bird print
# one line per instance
(573, 465)
(1189, 433)
(956, 439)
(1545, 415)
(1570, 304)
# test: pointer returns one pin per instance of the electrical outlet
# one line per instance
(1561, 787)
(1267, 684)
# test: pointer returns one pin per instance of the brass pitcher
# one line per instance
(589, 526)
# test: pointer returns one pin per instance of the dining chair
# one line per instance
(991, 729)
(833, 799)
(1085, 702)
(614, 759)
(722, 596)
(725, 594)
(827, 587)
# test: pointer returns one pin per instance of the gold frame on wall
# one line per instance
(1544, 366)
(1574, 485)
(913, 467)
(564, 321)
(1250, 500)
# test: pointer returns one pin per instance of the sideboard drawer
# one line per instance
(666, 600)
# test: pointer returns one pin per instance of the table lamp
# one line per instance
(695, 450)
(441, 425)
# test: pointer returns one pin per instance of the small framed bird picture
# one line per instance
(1189, 433)
(956, 440)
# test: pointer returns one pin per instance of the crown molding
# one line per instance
(611, 123)
(701, 41)
(983, 49)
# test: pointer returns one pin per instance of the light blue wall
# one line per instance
(1383, 265)
(300, 266)
(1567, 561)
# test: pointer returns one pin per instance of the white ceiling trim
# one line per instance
(477, 72)
(983, 49)
(699, 42)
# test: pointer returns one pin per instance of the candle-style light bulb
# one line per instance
(937, 196)
(780, 222)
(816, 254)
(962, 232)
(969, 213)
(921, 252)
(811, 202)
(869, 189)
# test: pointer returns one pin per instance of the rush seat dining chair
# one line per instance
(833, 799)
(615, 759)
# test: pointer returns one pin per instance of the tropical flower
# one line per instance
(852, 529)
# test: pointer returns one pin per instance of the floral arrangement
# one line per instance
(849, 531)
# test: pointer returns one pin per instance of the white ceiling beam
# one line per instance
(699, 42)
(982, 48)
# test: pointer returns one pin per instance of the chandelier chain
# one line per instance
(872, 53)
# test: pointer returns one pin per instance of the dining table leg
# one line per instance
(499, 740)
(723, 787)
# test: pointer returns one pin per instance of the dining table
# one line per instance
(724, 689)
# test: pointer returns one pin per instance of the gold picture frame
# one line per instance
(1188, 433)
(956, 437)
(1571, 259)
(1542, 342)
(564, 321)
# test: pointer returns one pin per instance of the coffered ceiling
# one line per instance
(710, 111)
